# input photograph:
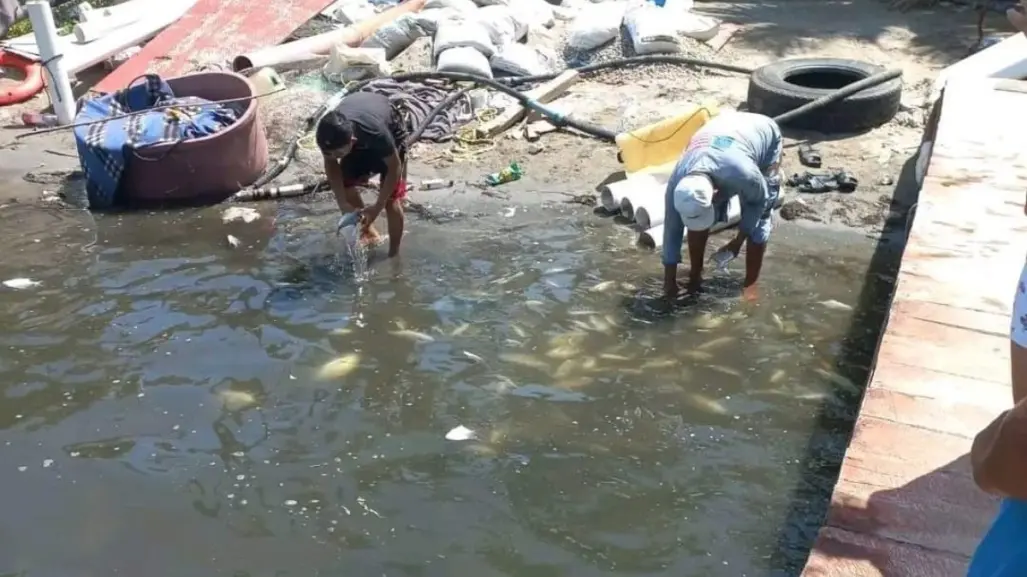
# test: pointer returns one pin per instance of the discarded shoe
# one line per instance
(809, 156)
(811, 182)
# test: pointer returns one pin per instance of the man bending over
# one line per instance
(735, 153)
(363, 136)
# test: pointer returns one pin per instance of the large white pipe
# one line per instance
(640, 186)
(58, 86)
(649, 208)
(611, 194)
(89, 31)
(653, 237)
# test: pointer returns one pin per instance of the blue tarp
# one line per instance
(106, 148)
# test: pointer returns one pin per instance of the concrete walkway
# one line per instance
(905, 503)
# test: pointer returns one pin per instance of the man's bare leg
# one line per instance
(395, 220)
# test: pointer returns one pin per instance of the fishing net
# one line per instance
(285, 113)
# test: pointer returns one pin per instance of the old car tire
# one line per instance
(785, 85)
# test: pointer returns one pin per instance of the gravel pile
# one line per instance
(622, 47)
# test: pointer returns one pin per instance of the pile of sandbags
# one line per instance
(489, 39)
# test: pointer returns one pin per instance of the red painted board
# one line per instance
(213, 32)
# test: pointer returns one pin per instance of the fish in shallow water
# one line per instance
(603, 286)
(233, 400)
(835, 305)
(460, 330)
(524, 361)
(340, 367)
(707, 404)
(21, 283)
(714, 343)
(839, 381)
(411, 335)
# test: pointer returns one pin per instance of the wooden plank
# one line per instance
(545, 93)
(840, 553)
(952, 391)
(213, 32)
(905, 502)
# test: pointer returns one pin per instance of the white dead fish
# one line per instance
(614, 357)
(584, 313)
(563, 352)
(460, 433)
(697, 355)
(233, 242)
(342, 331)
(707, 404)
(416, 336)
(726, 370)
(519, 331)
(460, 330)
(603, 286)
(524, 360)
(835, 305)
(778, 376)
(473, 357)
(236, 400)
(715, 343)
(21, 283)
(340, 367)
(534, 305)
(243, 213)
(506, 279)
(659, 364)
(780, 324)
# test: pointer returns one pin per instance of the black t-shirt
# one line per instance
(371, 115)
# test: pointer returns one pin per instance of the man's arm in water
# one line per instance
(333, 172)
(754, 196)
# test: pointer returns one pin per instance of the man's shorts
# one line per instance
(399, 193)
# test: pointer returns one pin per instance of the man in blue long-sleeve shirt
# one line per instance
(735, 153)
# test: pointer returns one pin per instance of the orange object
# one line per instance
(31, 86)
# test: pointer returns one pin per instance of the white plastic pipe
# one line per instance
(649, 208)
(58, 86)
(611, 194)
(653, 237)
(640, 186)
(89, 31)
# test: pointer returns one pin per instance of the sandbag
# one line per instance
(596, 25)
(519, 60)
(503, 28)
(463, 59)
(397, 36)
(484, 3)
(534, 13)
(347, 64)
(469, 34)
(429, 20)
(464, 6)
(651, 31)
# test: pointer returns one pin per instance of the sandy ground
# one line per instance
(566, 167)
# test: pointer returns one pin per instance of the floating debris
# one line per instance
(233, 242)
(243, 213)
(21, 283)
(460, 433)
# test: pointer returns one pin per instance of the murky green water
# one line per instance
(166, 408)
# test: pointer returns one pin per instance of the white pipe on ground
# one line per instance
(640, 186)
(653, 237)
(650, 207)
(58, 86)
(611, 194)
(89, 31)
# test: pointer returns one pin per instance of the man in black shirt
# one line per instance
(362, 137)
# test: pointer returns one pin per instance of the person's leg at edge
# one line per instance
(696, 253)
(395, 220)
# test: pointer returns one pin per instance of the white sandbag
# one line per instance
(596, 25)
(346, 64)
(469, 34)
(463, 59)
(697, 26)
(396, 37)
(519, 60)
(503, 28)
(534, 13)
(429, 20)
(651, 31)
(464, 6)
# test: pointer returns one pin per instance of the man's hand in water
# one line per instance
(369, 215)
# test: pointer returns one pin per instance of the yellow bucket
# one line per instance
(651, 147)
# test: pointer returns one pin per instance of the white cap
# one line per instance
(693, 199)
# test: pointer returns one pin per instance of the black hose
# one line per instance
(841, 93)
(632, 61)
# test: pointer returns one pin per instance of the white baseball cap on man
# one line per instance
(693, 199)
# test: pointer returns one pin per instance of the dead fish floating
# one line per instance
(340, 367)
(835, 305)
(412, 335)
(21, 283)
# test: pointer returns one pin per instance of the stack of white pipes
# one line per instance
(640, 198)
